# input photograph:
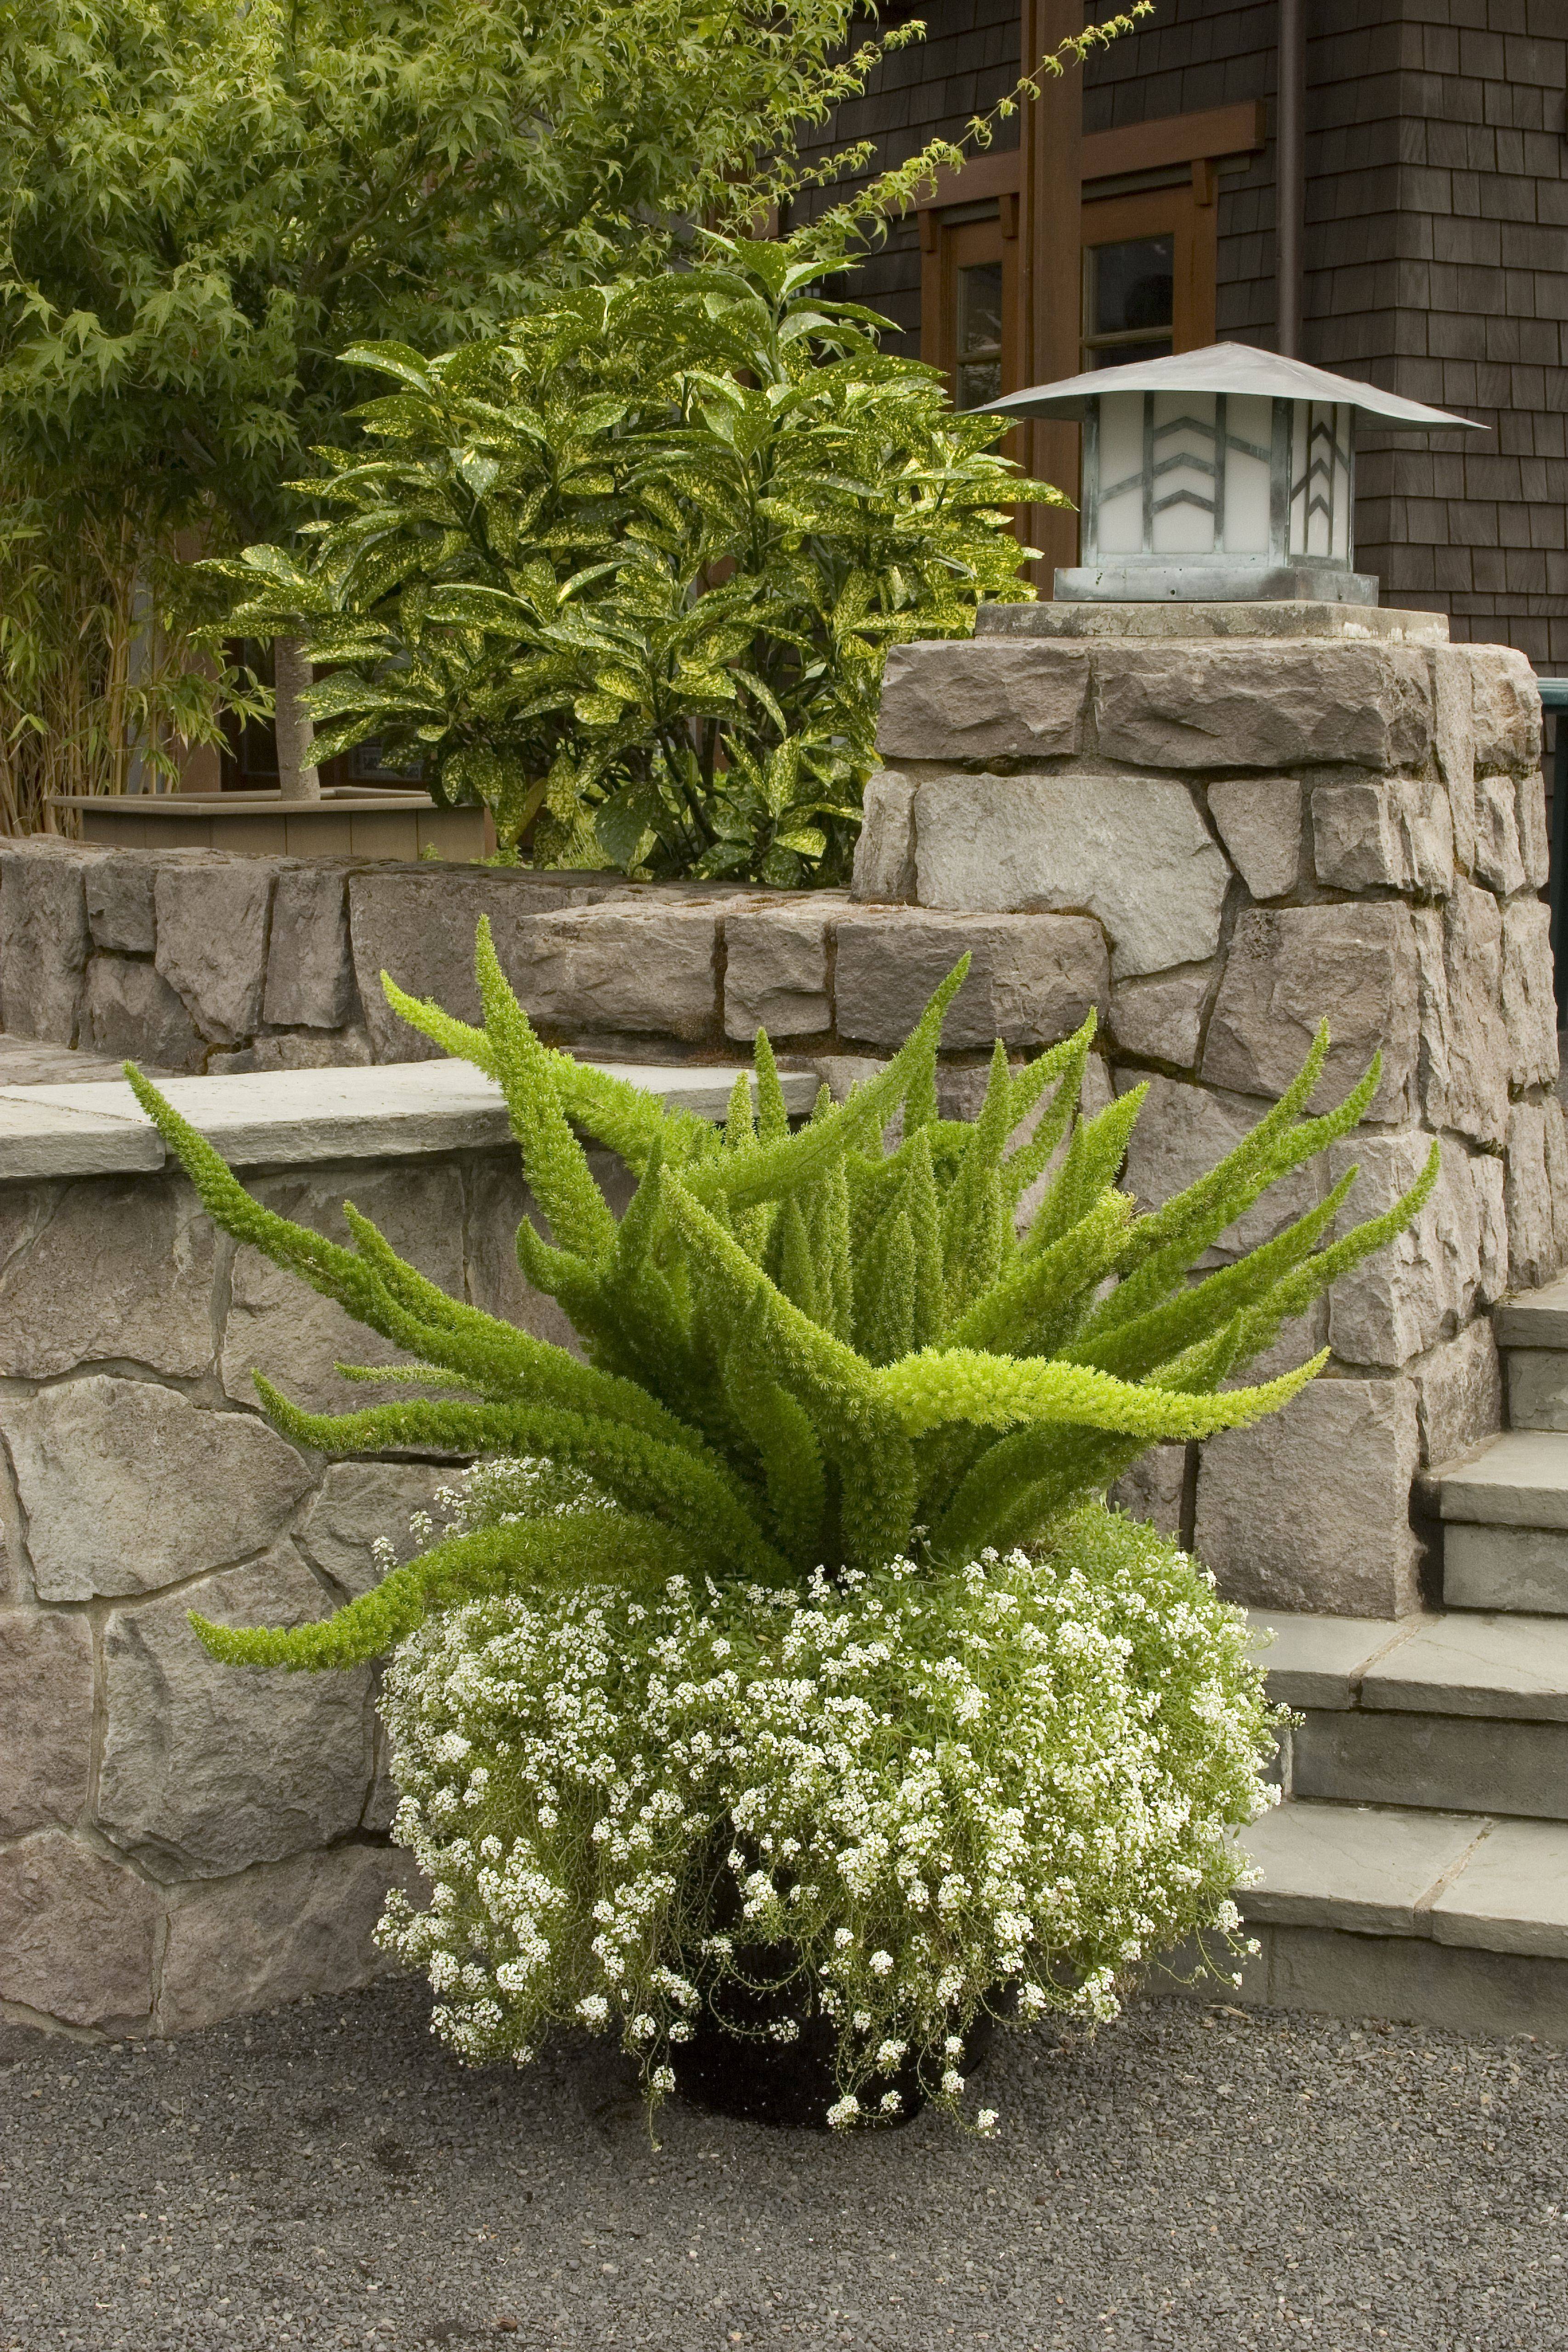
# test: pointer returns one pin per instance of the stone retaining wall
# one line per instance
(1210, 834)
(1347, 821)
(194, 961)
(1212, 843)
(181, 1841)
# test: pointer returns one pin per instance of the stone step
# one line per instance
(1533, 1332)
(1506, 1568)
(1505, 1513)
(1473, 1879)
(1536, 1319)
(1519, 1480)
(1460, 1711)
(1452, 1919)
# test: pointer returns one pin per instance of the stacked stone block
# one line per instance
(192, 960)
(181, 1842)
(1269, 832)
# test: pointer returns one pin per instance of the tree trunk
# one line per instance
(296, 776)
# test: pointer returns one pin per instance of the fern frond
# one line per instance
(800, 1341)
(458, 1038)
(1017, 1484)
(977, 1236)
(1017, 1315)
(834, 1387)
(739, 1122)
(1295, 1292)
(801, 1157)
(1093, 1161)
(1182, 1228)
(1132, 1350)
(998, 1392)
(772, 1111)
(792, 1460)
(372, 1283)
(521, 1556)
(699, 1496)
(558, 1170)
(1030, 1161)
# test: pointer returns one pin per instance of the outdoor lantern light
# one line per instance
(1225, 474)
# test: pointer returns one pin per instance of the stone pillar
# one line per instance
(1278, 813)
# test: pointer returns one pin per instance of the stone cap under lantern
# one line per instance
(1220, 476)
(1189, 617)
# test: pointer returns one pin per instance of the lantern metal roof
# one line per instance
(1225, 367)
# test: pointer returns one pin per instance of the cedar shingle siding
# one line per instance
(1436, 251)
(968, 60)
(1192, 54)
(1436, 265)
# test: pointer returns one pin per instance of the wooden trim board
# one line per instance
(1155, 146)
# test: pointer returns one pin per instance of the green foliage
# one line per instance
(95, 676)
(205, 203)
(629, 571)
(803, 1347)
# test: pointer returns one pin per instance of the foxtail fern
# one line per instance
(803, 1347)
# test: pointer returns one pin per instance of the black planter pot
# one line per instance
(790, 2085)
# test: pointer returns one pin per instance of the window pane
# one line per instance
(366, 766)
(979, 383)
(979, 353)
(1131, 285)
(980, 310)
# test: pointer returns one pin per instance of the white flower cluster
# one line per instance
(935, 1788)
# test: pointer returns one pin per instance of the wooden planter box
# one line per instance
(348, 819)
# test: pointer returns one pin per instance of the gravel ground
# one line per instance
(326, 2177)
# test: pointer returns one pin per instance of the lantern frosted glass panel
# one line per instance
(1184, 473)
(1195, 493)
(1248, 473)
(1118, 475)
(1319, 481)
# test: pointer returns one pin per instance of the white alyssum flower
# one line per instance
(920, 1854)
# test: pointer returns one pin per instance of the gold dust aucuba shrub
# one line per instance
(629, 572)
(833, 1375)
(936, 1786)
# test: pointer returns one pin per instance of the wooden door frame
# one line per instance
(948, 246)
(1180, 211)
